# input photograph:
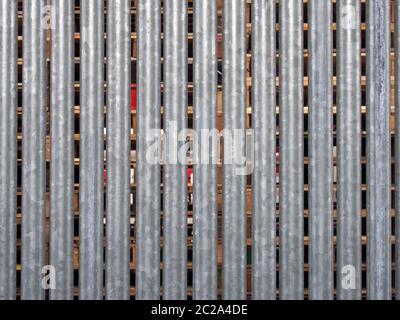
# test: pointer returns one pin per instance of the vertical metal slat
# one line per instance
(118, 149)
(291, 222)
(8, 144)
(62, 149)
(148, 173)
(33, 150)
(320, 146)
(91, 176)
(379, 256)
(264, 125)
(205, 210)
(348, 265)
(234, 261)
(175, 172)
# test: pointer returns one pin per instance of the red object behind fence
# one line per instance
(133, 97)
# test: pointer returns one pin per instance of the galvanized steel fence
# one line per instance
(203, 149)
